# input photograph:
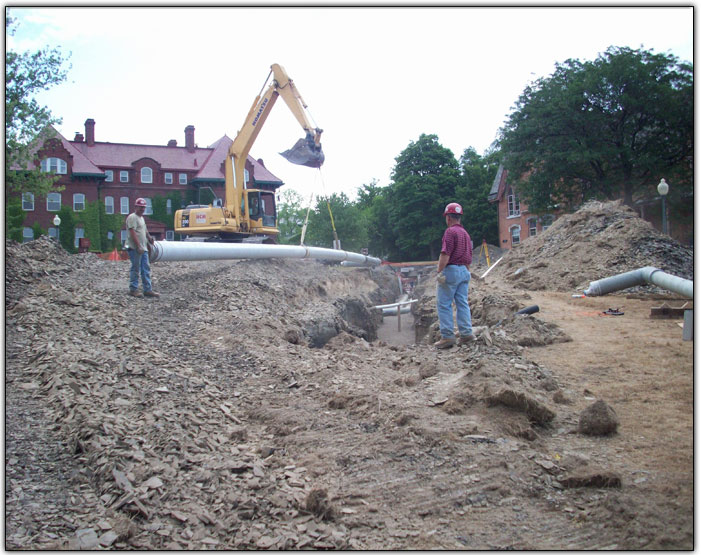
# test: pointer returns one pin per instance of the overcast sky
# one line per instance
(374, 79)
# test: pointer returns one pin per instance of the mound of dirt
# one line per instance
(599, 240)
(250, 407)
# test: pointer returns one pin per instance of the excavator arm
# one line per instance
(306, 151)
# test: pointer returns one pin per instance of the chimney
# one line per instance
(190, 138)
(260, 161)
(78, 138)
(90, 131)
(172, 142)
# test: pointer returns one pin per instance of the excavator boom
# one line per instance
(249, 213)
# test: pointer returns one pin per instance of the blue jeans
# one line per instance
(457, 282)
(139, 265)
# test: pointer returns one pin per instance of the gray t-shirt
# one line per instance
(138, 224)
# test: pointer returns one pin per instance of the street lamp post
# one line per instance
(663, 189)
(57, 222)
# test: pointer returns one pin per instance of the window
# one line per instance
(109, 205)
(54, 165)
(515, 234)
(532, 227)
(146, 175)
(110, 235)
(110, 176)
(170, 235)
(78, 202)
(28, 201)
(124, 176)
(53, 202)
(52, 232)
(514, 203)
(547, 221)
(183, 179)
(79, 234)
(149, 206)
(169, 178)
(169, 206)
(124, 205)
(27, 234)
(123, 236)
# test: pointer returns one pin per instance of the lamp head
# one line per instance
(57, 220)
(662, 187)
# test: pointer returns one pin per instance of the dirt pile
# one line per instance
(599, 240)
(251, 407)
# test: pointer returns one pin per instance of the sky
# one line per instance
(374, 79)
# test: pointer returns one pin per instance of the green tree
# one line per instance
(66, 230)
(26, 121)
(424, 180)
(348, 220)
(607, 128)
(14, 218)
(38, 230)
(480, 217)
(372, 202)
(290, 217)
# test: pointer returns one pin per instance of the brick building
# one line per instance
(116, 174)
(516, 223)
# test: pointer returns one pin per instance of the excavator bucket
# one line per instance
(305, 152)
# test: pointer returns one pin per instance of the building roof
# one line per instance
(207, 162)
(497, 190)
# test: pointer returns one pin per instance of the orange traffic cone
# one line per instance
(114, 255)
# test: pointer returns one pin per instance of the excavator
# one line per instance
(249, 215)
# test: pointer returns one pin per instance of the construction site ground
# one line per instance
(252, 405)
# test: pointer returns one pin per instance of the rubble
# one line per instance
(601, 239)
(252, 407)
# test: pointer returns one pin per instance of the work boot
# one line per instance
(444, 343)
(151, 294)
(135, 293)
(466, 339)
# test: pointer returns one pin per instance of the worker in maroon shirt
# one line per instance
(454, 280)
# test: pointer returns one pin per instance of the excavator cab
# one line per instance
(261, 208)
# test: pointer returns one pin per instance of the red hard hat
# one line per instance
(453, 208)
(140, 202)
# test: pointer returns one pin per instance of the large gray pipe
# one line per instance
(166, 251)
(641, 276)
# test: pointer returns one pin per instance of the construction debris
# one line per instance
(251, 406)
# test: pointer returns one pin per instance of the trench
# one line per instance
(397, 333)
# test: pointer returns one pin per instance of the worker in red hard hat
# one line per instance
(454, 280)
(139, 241)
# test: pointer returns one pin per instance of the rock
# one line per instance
(598, 419)
(535, 410)
(294, 336)
(317, 503)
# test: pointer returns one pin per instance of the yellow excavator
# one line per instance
(250, 215)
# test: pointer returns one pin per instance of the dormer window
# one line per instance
(146, 175)
(54, 165)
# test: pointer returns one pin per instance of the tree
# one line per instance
(291, 214)
(480, 217)
(14, 218)
(372, 203)
(348, 220)
(66, 230)
(609, 128)
(424, 180)
(25, 120)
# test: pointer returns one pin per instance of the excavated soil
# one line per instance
(252, 406)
